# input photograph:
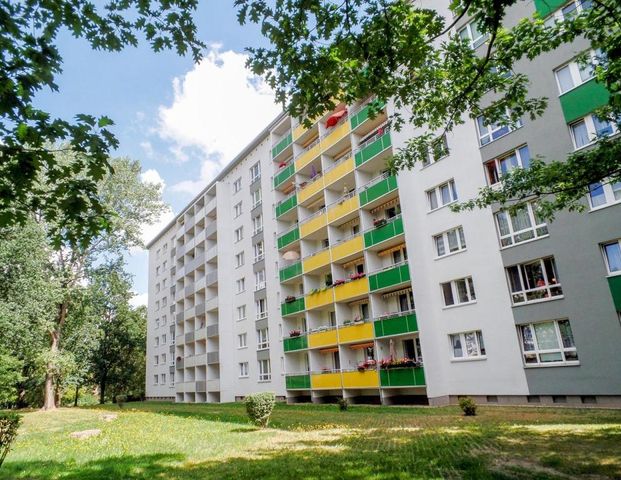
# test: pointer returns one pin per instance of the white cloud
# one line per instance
(218, 108)
(152, 176)
(148, 232)
(148, 148)
(139, 299)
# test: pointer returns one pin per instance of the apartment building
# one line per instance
(372, 288)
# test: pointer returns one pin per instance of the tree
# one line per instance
(325, 52)
(29, 63)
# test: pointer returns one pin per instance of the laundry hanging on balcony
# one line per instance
(335, 117)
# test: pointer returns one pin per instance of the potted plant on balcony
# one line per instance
(379, 222)
(358, 319)
(357, 276)
(290, 299)
(326, 370)
(338, 282)
(295, 333)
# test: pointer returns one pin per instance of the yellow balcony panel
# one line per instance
(312, 225)
(307, 157)
(320, 299)
(299, 131)
(348, 249)
(326, 380)
(356, 333)
(343, 208)
(365, 379)
(335, 135)
(322, 339)
(310, 190)
(342, 169)
(317, 261)
(350, 290)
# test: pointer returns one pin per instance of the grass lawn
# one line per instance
(168, 441)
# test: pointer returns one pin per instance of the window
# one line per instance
(172, 379)
(164, 265)
(548, 342)
(458, 292)
(519, 226)
(237, 185)
(157, 341)
(242, 340)
(155, 379)
(398, 256)
(163, 379)
(261, 307)
(467, 345)
(241, 313)
(256, 198)
(263, 340)
(259, 280)
(164, 339)
(439, 149)
(472, 34)
(156, 360)
(488, 132)
(157, 254)
(243, 370)
(265, 370)
(406, 301)
(257, 224)
(239, 234)
(237, 210)
(157, 288)
(568, 11)
(241, 285)
(577, 72)
(451, 241)
(604, 194)
(442, 195)
(259, 252)
(157, 271)
(499, 167)
(164, 358)
(164, 301)
(239, 259)
(612, 256)
(255, 172)
(534, 281)
(164, 283)
(588, 129)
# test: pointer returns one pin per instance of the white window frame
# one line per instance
(156, 360)
(431, 158)
(239, 259)
(243, 370)
(609, 190)
(513, 238)
(255, 172)
(156, 379)
(480, 353)
(163, 378)
(544, 293)
(259, 280)
(259, 251)
(444, 239)
(559, 16)
(265, 370)
(537, 352)
(575, 71)
(470, 292)
(436, 193)
(257, 198)
(263, 338)
(261, 308)
(242, 340)
(241, 285)
(237, 185)
(607, 260)
(474, 42)
(591, 131)
(496, 162)
(241, 313)
(492, 129)
(237, 210)
(239, 234)
(257, 224)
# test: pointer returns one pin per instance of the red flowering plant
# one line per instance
(357, 276)
(340, 281)
(405, 362)
(379, 222)
(290, 299)
(295, 333)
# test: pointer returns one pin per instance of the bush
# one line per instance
(259, 407)
(343, 404)
(9, 423)
(468, 406)
(120, 400)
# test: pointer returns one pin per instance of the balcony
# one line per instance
(375, 191)
(292, 344)
(311, 152)
(311, 225)
(343, 210)
(282, 144)
(298, 381)
(213, 357)
(288, 237)
(322, 339)
(311, 190)
(292, 271)
(580, 101)
(320, 298)
(212, 330)
(364, 379)
(356, 333)
(362, 115)
(284, 175)
(390, 230)
(316, 261)
(286, 205)
(396, 324)
(351, 290)
(348, 249)
(389, 277)
(402, 377)
(332, 138)
(614, 282)
(289, 308)
(325, 381)
(338, 171)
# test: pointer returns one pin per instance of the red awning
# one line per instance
(335, 117)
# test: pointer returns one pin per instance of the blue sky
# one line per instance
(182, 121)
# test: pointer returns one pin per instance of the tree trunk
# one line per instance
(102, 388)
(77, 394)
(49, 397)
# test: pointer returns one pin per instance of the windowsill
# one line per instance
(502, 136)
(242, 348)
(242, 319)
(449, 307)
(443, 206)
(451, 254)
(261, 349)
(542, 300)
(602, 207)
(244, 377)
(525, 242)
(552, 364)
(613, 274)
(593, 142)
(468, 359)
(264, 381)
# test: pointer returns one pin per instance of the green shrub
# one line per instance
(343, 404)
(259, 407)
(468, 406)
(9, 423)
(120, 400)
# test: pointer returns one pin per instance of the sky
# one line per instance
(182, 121)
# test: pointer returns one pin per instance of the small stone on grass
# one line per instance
(109, 417)
(85, 434)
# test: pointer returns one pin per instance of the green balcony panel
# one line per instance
(284, 175)
(396, 325)
(288, 238)
(381, 234)
(615, 289)
(546, 7)
(290, 272)
(373, 149)
(294, 382)
(402, 377)
(363, 115)
(280, 146)
(292, 307)
(295, 343)
(378, 190)
(583, 100)
(286, 205)
(389, 277)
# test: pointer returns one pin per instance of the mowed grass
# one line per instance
(170, 441)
